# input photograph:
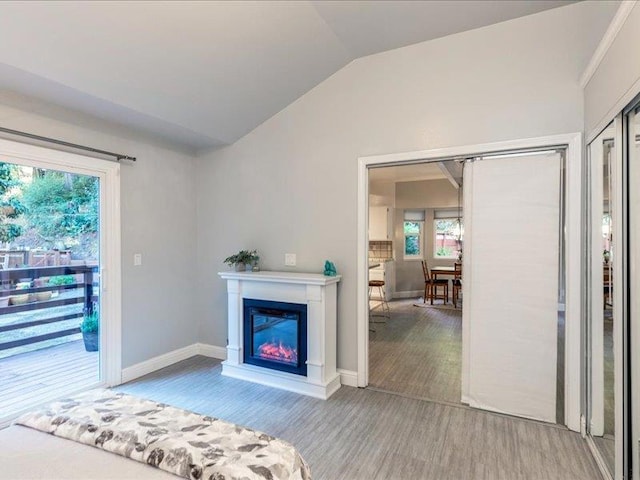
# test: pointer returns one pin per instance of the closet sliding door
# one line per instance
(613, 280)
(604, 330)
(512, 264)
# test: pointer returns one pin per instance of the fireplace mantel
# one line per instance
(319, 294)
(282, 277)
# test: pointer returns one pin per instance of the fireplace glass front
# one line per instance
(275, 335)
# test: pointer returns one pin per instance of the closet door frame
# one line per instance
(629, 274)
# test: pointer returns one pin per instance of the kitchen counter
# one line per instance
(380, 261)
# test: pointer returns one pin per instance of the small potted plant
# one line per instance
(89, 327)
(243, 260)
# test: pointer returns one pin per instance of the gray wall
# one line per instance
(617, 79)
(427, 195)
(158, 220)
(291, 184)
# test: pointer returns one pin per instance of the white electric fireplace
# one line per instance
(282, 330)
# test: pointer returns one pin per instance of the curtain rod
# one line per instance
(118, 156)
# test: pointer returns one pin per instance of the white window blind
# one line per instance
(414, 215)
(446, 214)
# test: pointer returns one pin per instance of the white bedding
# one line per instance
(27, 454)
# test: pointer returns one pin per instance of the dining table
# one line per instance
(442, 271)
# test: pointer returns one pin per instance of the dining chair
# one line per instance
(431, 285)
(457, 283)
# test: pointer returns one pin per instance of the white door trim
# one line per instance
(573, 215)
(110, 248)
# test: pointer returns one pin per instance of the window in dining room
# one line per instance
(413, 234)
(448, 237)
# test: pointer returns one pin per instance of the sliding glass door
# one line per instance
(59, 235)
(49, 282)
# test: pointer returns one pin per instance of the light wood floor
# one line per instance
(365, 434)
(45, 373)
(418, 352)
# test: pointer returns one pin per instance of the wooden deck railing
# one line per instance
(13, 276)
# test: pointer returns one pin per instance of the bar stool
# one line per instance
(386, 311)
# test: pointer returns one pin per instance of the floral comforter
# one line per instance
(178, 441)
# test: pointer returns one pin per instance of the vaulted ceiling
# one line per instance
(203, 74)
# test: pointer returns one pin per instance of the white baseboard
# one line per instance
(348, 377)
(156, 363)
(213, 351)
(282, 380)
(166, 359)
(408, 294)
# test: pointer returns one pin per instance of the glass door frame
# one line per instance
(108, 173)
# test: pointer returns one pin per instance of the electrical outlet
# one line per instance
(137, 259)
(290, 259)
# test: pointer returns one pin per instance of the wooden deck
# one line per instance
(31, 378)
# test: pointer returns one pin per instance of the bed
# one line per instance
(29, 454)
(105, 434)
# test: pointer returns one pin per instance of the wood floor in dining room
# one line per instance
(366, 434)
(418, 351)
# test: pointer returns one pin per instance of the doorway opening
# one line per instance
(519, 206)
(416, 232)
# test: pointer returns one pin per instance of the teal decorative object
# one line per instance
(330, 269)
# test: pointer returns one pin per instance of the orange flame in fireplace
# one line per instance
(278, 352)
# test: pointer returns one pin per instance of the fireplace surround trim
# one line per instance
(319, 294)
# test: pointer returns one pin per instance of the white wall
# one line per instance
(291, 185)
(617, 79)
(426, 194)
(382, 194)
(158, 220)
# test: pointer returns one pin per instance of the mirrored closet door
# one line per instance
(605, 332)
(613, 306)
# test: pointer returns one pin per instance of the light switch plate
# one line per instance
(290, 259)
(137, 259)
